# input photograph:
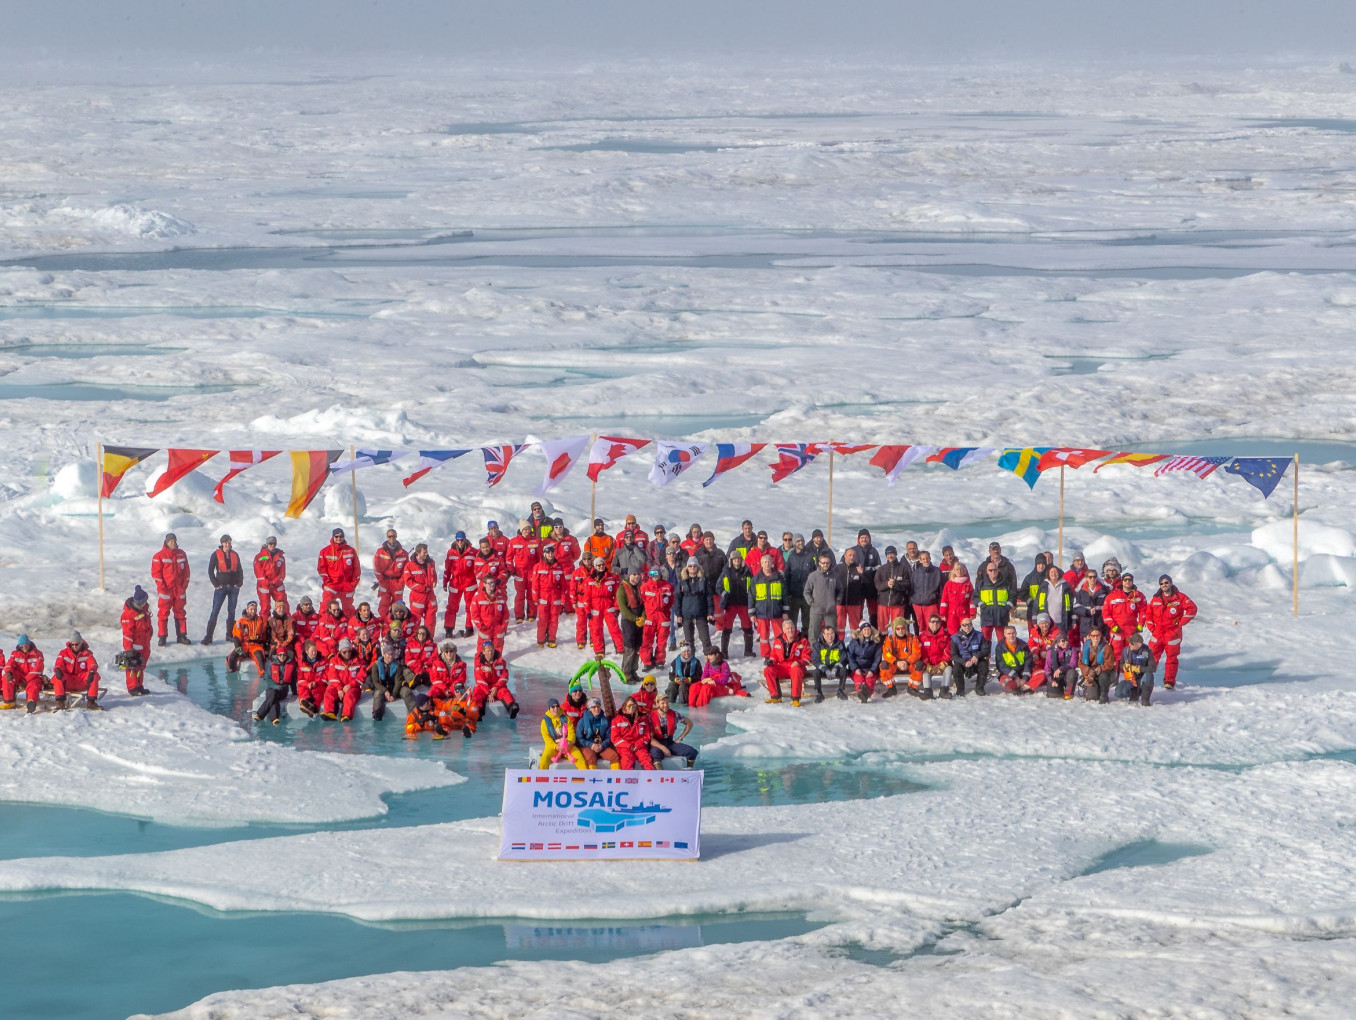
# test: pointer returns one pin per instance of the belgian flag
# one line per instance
(310, 468)
(118, 460)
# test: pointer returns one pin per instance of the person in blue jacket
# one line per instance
(863, 662)
(684, 670)
(1136, 684)
(969, 657)
(593, 737)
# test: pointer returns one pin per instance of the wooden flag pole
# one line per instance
(593, 489)
(99, 481)
(1295, 539)
(1059, 556)
(353, 477)
(829, 539)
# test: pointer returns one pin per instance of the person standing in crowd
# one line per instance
(459, 581)
(894, 588)
(868, 559)
(600, 545)
(524, 554)
(1026, 591)
(927, 584)
(695, 607)
(958, 599)
(388, 563)
(657, 594)
(169, 571)
(800, 564)
(499, 542)
(761, 547)
(542, 525)
(629, 556)
(1078, 567)
(582, 593)
(656, 552)
(823, 593)
(693, 542)
(767, 602)
(631, 614)
(136, 639)
(734, 596)
(744, 541)
(270, 576)
(631, 525)
(855, 581)
(603, 618)
(818, 547)
(1124, 611)
(1007, 573)
(995, 600)
(339, 571)
(227, 576)
(712, 562)
(1053, 598)
(1087, 606)
(421, 580)
(547, 585)
(489, 612)
(1169, 611)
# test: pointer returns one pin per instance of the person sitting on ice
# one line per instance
(1061, 669)
(75, 670)
(788, 659)
(630, 732)
(1097, 665)
(863, 662)
(345, 677)
(666, 738)
(389, 679)
(901, 659)
(936, 673)
(576, 702)
(717, 681)
(828, 661)
(136, 640)
(685, 669)
(491, 681)
(593, 737)
(250, 635)
(1014, 662)
(24, 668)
(423, 716)
(969, 657)
(279, 677)
(312, 668)
(558, 734)
(1136, 684)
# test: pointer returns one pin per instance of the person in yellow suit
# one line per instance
(557, 731)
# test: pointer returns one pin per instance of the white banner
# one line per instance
(600, 815)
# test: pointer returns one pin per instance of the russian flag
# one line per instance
(730, 456)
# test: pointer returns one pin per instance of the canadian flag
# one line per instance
(561, 455)
(607, 450)
(242, 460)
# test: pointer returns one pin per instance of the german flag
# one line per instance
(118, 460)
(310, 468)
(1135, 459)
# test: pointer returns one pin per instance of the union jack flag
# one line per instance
(497, 461)
(1198, 466)
(791, 457)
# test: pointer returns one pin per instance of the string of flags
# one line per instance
(312, 468)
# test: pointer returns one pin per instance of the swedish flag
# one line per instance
(1264, 473)
(1025, 464)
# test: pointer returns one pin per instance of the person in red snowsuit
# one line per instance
(499, 542)
(567, 555)
(332, 628)
(75, 670)
(24, 668)
(421, 578)
(489, 614)
(958, 599)
(339, 571)
(603, 607)
(1039, 640)
(344, 685)
(787, 660)
(492, 681)
(270, 576)
(136, 637)
(447, 673)
(524, 553)
(489, 563)
(388, 563)
(657, 596)
(459, 581)
(630, 524)
(1124, 611)
(548, 583)
(312, 668)
(363, 617)
(421, 651)
(583, 598)
(1169, 611)
(630, 735)
(305, 623)
(169, 571)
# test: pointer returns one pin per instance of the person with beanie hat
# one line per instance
(76, 671)
(270, 577)
(136, 640)
(25, 666)
(169, 571)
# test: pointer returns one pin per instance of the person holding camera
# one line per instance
(136, 641)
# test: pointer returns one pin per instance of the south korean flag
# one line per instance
(672, 459)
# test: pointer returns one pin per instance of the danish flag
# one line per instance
(242, 460)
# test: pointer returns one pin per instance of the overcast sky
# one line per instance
(928, 29)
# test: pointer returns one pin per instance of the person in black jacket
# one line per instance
(818, 547)
(695, 609)
(712, 562)
(868, 558)
(227, 575)
(894, 589)
(800, 564)
(734, 596)
(927, 589)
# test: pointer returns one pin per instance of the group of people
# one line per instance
(592, 734)
(817, 616)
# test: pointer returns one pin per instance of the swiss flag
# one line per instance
(607, 450)
(561, 455)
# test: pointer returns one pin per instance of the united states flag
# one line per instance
(1198, 466)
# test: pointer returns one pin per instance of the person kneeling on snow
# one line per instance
(558, 734)
(1137, 672)
(280, 674)
(1014, 662)
(251, 635)
(1097, 664)
(593, 733)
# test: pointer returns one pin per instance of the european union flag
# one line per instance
(1025, 464)
(1265, 473)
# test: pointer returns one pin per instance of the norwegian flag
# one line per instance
(607, 450)
(242, 460)
(1068, 456)
(1201, 467)
(561, 455)
(497, 461)
(791, 457)
(894, 459)
(428, 460)
(730, 455)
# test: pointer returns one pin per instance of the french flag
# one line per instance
(430, 459)
(730, 455)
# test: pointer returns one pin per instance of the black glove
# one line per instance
(767, 661)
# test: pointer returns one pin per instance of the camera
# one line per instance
(129, 659)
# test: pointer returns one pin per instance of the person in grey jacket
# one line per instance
(823, 592)
(629, 557)
(800, 564)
